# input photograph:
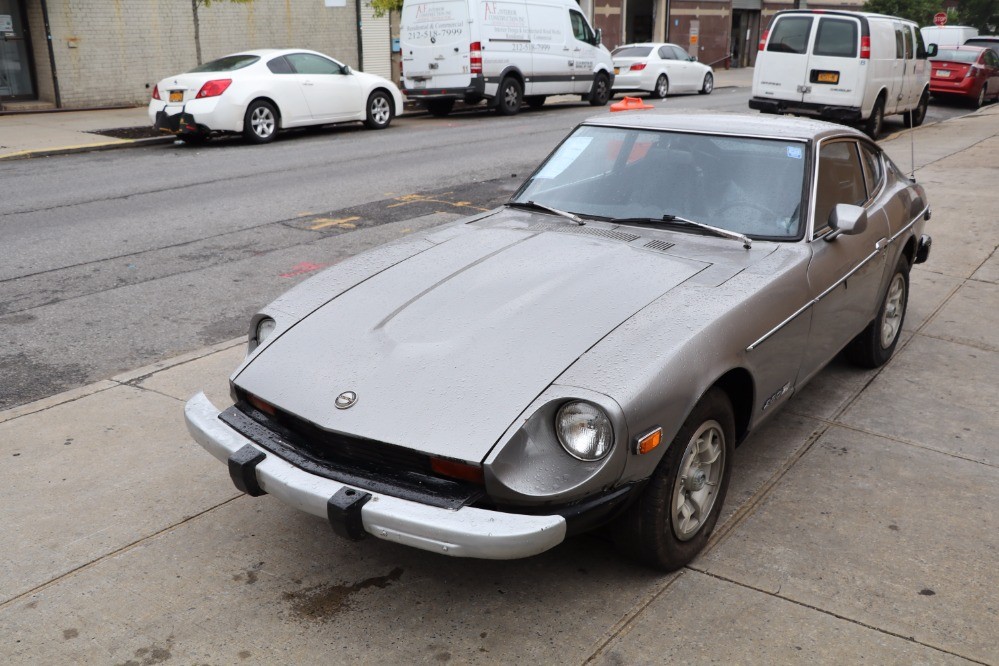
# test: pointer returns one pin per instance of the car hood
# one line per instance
(445, 349)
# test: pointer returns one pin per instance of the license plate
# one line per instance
(176, 95)
(418, 83)
(828, 77)
(944, 73)
(617, 70)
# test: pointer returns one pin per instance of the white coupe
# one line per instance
(260, 92)
(659, 69)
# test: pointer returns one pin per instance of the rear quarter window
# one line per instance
(837, 38)
(790, 35)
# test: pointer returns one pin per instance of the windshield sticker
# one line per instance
(566, 155)
(795, 152)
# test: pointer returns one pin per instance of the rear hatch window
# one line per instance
(790, 35)
(837, 38)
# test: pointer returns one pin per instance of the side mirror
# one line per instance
(846, 219)
(931, 51)
(599, 37)
(347, 69)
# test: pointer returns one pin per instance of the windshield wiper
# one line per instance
(747, 242)
(533, 205)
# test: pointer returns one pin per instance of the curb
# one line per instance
(95, 147)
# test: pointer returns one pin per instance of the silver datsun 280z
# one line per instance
(587, 355)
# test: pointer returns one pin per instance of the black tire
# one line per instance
(661, 89)
(601, 91)
(509, 97)
(260, 123)
(648, 530)
(535, 101)
(979, 101)
(915, 117)
(874, 124)
(708, 85)
(876, 343)
(379, 110)
(440, 107)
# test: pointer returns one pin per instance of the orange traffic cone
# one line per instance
(630, 104)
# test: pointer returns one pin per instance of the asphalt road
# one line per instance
(114, 260)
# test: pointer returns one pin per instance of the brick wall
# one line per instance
(112, 52)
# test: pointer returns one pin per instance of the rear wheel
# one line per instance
(600, 92)
(260, 124)
(876, 343)
(661, 89)
(915, 117)
(669, 524)
(980, 100)
(708, 85)
(440, 107)
(875, 123)
(379, 110)
(509, 97)
(535, 101)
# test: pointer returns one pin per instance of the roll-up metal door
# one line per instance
(376, 46)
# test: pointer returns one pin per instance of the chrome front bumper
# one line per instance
(467, 532)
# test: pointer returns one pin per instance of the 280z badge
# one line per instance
(345, 400)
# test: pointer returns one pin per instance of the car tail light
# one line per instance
(156, 92)
(763, 39)
(475, 57)
(972, 72)
(457, 470)
(865, 47)
(214, 88)
(637, 67)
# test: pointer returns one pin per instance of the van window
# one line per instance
(841, 180)
(899, 42)
(907, 33)
(836, 37)
(791, 34)
(580, 29)
(920, 46)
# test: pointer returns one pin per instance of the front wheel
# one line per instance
(708, 85)
(379, 110)
(509, 98)
(876, 343)
(260, 124)
(600, 92)
(669, 524)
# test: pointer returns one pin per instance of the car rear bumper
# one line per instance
(197, 116)
(466, 532)
(846, 114)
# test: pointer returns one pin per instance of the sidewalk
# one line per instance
(861, 524)
(55, 133)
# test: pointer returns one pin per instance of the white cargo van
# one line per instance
(850, 67)
(504, 51)
(947, 35)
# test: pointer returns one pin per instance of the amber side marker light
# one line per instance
(649, 441)
(265, 407)
(458, 470)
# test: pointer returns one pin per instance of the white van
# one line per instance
(504, 51)
(947, 35)
(850, 67)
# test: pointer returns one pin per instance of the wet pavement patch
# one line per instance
(128, 132)
(324, 602)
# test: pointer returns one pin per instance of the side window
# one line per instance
(841, 180)
(790, 35)
(920, 46)
(666, 52)
(680, 54)
(991, 59)
(307, 63)
(899, 42)
(836, 37)
(580, 29)
(907, 34)
(280, 66)
(873, 170)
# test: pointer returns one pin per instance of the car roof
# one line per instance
(272, 52)
(726, 123)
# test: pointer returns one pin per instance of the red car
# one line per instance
(966, 71)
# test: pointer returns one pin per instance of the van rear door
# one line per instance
(835, 74)
(435, 39)
(786, 58)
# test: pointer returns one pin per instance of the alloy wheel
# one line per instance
(696, 488)
(891, 322)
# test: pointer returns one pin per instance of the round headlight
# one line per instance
(584, 430)
(264, 328)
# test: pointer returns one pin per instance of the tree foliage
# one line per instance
(382, 7)
(981, 14)
(920, 11)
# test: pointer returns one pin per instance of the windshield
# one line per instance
(226, 64)
(750, 186)
(953, 55)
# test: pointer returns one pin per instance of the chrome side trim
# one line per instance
(878, 248)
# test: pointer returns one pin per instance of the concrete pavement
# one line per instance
(861, 524)
(54, 133)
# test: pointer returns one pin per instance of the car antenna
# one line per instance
(912, 155)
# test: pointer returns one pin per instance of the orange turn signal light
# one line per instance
(458, 470)
(265, 407)
(649, 441)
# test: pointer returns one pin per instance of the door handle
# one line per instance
(881, 245)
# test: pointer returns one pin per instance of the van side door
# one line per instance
(835, 74)
(910, 80)
(550, 50)
(896, 83)
(506, 40)
(784, 65)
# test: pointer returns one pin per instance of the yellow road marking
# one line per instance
(344, 222)
(420, 198)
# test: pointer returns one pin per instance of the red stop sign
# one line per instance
(940, 18)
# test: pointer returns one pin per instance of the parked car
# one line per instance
(505, 53)
(588, 354)
(850, 67)
(968, 72)
(260, 92)
(985, 41)
(659, 69)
